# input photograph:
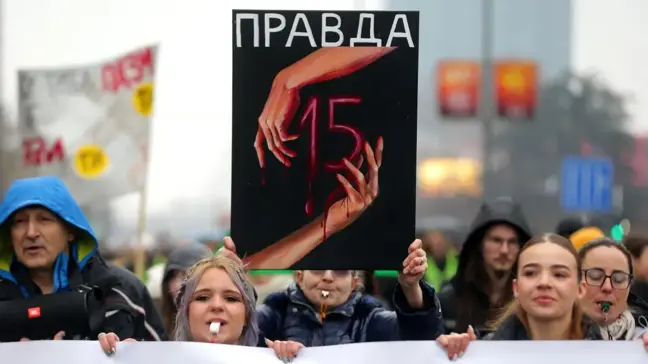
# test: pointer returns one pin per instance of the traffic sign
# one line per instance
(587, 184)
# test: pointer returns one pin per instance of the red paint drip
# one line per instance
(310, 117)
(336, 195)
(309, 200)
(347, 210)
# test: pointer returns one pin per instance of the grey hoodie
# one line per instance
(182, 258)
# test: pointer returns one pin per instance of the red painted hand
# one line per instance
(359, 197)
(277, 114)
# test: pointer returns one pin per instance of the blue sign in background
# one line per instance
(587, 184)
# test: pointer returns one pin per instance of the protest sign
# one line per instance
(481, 352)
(316, 96)
(88, 124)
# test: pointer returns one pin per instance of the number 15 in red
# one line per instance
(311, 118)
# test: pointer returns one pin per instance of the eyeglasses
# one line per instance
(597, 277)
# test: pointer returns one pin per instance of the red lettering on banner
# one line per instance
(36, 152)
(127, 71)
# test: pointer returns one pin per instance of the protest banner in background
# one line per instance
(316, 96)
(516, 88)
(88, 125)
(484, 352)
(458, 83)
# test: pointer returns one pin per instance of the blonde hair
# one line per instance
(237, 274)
(514, 309)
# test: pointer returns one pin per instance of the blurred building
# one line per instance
(531, 29)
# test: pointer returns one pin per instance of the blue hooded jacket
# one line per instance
(130, 310)
(51, 193)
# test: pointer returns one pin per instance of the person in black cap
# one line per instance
(571, 224)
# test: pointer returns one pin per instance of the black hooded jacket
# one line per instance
(638, 307)
(463, 302)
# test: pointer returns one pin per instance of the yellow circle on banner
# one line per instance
(143, 99)
(90, 161)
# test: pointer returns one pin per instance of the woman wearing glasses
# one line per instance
(607, 269)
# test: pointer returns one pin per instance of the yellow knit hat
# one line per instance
(585, 235)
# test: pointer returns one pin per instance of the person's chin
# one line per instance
(37, 263)
(596, 316)
(218, 339)
(503, 268)
(545, 314)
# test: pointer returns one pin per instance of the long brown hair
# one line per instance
(515, 309)
(476, 284)
(167, 304)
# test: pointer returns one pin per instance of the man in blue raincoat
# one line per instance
(47, 246)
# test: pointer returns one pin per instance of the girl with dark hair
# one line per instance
(608, 273)
(216, 293)
(545, 304)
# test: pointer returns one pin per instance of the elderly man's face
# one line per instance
(38, 236)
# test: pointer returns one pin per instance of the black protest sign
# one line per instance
(324, 138)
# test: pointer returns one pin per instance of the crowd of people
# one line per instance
(504, 284)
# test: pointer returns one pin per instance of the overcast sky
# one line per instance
(192, 129)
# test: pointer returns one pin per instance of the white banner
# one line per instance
(484, 352)
(89, 124)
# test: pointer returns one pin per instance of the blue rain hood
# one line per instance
(51, 193)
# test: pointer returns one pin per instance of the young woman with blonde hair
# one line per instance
(216, 293)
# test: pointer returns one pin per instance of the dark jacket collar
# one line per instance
(513, 329)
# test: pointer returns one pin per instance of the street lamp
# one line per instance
(486, 96)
